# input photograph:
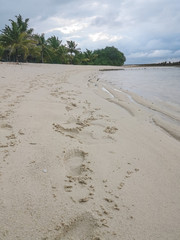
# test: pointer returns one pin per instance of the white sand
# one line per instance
(79, 163)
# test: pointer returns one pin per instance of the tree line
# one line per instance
(19, 43)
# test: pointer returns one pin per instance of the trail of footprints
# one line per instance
(79, 173)
(10, 100)
(78, 167)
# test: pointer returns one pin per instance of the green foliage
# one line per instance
(17, 38)
(73, 51)
(23, 25)
(18, 43)
(89, 57)
(42, 45)
(109, 56)
(72, 47)
(54, 42)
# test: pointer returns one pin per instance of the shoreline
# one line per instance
(82, 162)
(166, 116)
(168, 121)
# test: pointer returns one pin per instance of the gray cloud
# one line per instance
(146, 31)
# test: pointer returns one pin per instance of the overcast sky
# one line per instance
(144, 30)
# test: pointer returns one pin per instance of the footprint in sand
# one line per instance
(74, 129)
(2, 116)
(68, 130)
(110, 130)
(73, 125)
(74, 162)
(6, 126)
(84, 131)
(80, 228)
(6, 134)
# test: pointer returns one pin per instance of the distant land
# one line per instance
(162, 64)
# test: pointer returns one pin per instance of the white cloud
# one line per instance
(152, 54)
(100, 36)
(160, 53)
(138, 55)
(75, 27)
(64, 25)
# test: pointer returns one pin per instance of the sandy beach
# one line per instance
(81, 161)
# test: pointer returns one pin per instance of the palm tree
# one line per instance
(72, 49)
(23, 25)
(34, 54)
(41, 42)
(44, 48)
(90, 56)
(57, 51)
(16, 38)
(62, 54)
(54, 42)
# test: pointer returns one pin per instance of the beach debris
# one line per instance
(44, 170)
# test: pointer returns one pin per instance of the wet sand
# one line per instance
(80, 160)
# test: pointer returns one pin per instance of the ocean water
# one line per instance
(157, 84)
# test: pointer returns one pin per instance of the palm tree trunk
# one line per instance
(16, 55)
(42, 56)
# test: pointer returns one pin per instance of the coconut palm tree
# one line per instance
(72, 47)
(54, 42)
(23, 25)
(62, 54)
(89, 57)
(57, 51)
(41, 42)
(16, 38)
(44, 48)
